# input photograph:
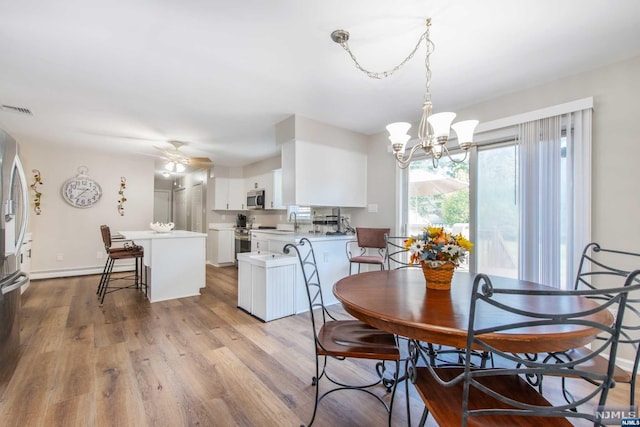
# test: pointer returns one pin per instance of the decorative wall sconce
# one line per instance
(37, 181)
(123, 185)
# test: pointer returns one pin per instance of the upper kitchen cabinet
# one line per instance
(322, 175)
(271, 183)
(275, 200)
(230, 194)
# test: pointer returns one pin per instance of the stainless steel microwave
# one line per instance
(255, 199)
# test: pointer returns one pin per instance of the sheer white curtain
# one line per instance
(554, 196)
(578, 190)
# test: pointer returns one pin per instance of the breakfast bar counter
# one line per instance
(175, 262)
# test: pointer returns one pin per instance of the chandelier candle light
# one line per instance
(433, 131)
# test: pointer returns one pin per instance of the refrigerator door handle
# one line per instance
(20, 280)
(9, 210)
(25, 198)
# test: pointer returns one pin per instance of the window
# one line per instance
(303, 213)
(439, 196)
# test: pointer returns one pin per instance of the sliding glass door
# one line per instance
(496, 245)
(523, 198)
(441, 196)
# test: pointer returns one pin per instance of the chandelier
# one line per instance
(433, 131)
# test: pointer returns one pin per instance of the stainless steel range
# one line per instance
(243, 241)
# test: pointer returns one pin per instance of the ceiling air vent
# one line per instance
(20, 110)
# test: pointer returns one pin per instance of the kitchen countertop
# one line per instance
(268, 259)
(150, 234)
(221, 226)
(287, 235)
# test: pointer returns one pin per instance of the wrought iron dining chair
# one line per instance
(503, 396)
(339, 340)
(367, 239)
(397, 255)
(602, 268)
(128, 251)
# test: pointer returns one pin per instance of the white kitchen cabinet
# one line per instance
(273, 198)
(270, 240)
(266, 284)
(229, 194)
(237, 195)
(258, 182)
(221, 193)
(221, 247)
(244, 283)
(271, 183)
(308, 182)
(259, 242)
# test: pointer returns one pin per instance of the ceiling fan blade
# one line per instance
(176, 156)
(201, 165)
(200, 159)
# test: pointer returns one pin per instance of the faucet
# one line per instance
(295, 221)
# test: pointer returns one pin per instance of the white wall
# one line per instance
(75, 233)
(381, 187)
(616, 148)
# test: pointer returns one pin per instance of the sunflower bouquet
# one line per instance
(436, 247)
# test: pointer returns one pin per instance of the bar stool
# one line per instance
(129, 251)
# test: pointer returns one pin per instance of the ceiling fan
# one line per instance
(177, 161)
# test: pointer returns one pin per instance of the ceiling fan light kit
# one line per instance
(433, 131)
(177, 162)
(172, 166)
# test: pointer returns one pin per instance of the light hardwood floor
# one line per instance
(195, 361)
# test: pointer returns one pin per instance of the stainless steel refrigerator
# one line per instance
(13, 223)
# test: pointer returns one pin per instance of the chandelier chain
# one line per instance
(433, 129)
(389, 73)
(430, 48)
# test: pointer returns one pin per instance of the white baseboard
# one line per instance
(51, 274)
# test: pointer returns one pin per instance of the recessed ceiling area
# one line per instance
(127, 76)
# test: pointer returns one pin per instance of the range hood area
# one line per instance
(307, 178)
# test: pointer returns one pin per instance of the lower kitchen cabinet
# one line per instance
(267, 284)
(259, 242)
(221, 247)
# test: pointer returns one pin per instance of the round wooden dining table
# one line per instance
(398, 301)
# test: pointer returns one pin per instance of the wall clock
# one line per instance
(81, 191)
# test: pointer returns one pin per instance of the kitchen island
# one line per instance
(271, 285)
(174, 262)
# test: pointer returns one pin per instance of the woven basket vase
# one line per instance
(438, 277)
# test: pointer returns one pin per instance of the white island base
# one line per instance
(175, 261)
(271, 284)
